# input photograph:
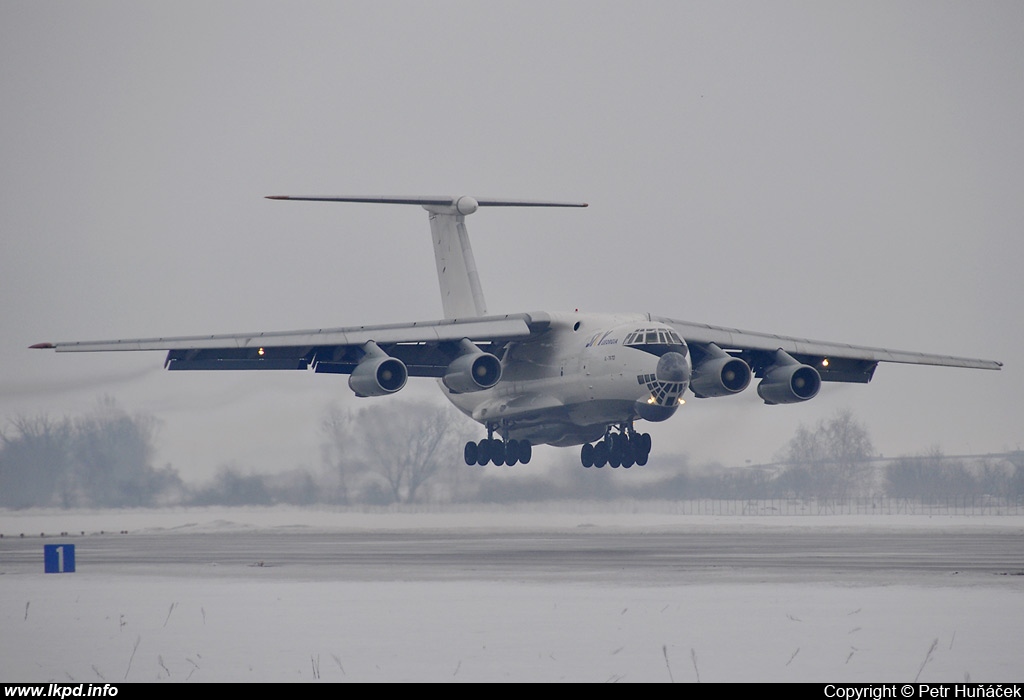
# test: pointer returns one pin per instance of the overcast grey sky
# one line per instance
(840, 171)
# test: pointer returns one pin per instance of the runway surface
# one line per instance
(657, 556)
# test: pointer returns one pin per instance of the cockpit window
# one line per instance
(653, 336)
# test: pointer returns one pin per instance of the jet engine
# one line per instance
(473, 370)
(719, 375)
(788, 381)
(377, 374)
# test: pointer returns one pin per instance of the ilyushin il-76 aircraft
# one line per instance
(538, 378)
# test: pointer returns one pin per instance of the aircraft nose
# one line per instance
(672, 367)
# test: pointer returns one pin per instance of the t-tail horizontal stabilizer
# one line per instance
(462, 205)
(461, 293)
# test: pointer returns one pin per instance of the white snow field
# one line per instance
(254, 623)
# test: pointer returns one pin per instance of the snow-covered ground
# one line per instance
(97, 627)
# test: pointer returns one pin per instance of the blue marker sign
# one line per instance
(59, 558)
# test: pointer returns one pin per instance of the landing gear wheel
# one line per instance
(628, 456)
(525, 451)
(614, 450)
(587, 455)
(511, 452)
(645, 441)
(483, 452)
(497, 452)
(470, 453)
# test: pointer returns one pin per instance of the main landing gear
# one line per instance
(622, 449)
(498, 451)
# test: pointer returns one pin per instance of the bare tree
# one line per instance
(100, 459)
(113, 454)
(832, 460)
(993, 477)
(1015, 485)
(404, 444)
(34, 463)
(851, 451)
(232, 487)
(337, 452)
(933, 476)
(913, 477)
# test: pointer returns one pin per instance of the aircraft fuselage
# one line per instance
(586, 372)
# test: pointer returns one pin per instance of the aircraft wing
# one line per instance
(835, 362)
(426, 348)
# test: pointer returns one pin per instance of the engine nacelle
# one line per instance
(720, 376)
(472, 371)
(789, 383)
(378, 375)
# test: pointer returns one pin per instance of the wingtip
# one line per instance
(42, 346)
(277, 196)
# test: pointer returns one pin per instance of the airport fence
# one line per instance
(960, 506)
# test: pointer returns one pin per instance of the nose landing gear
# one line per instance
(622, 449)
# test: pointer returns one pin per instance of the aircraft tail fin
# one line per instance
(461, 293)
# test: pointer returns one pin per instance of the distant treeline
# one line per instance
(411, 453)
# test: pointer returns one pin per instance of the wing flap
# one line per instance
(219, 365)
